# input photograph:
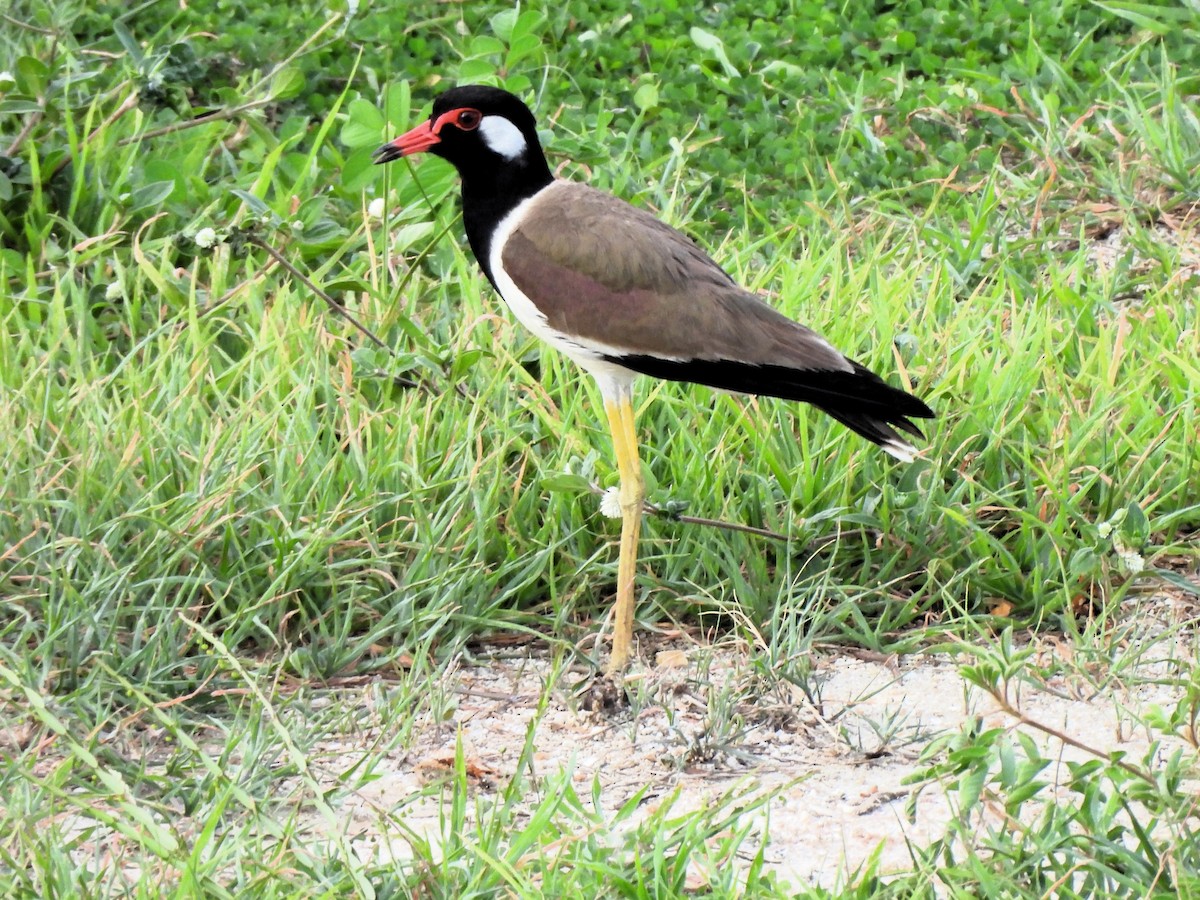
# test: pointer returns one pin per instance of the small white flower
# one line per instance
(376, 208)
(1131, 560)
(297, 225)
(1104, 529)
(114, 291)
(205, 238)
(610, 503)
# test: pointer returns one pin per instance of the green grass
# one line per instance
(215, 487)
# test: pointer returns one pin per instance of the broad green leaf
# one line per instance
(486, 45)
(19, 106)
(256, 204)
(321, 232)
(476, 70)
(715, 47)
(464, 362)
(786, 69)
(359, 168)
(503, 23)
(646, 96)
(398, 104)
(1135, 528)
(151, 194)
(407, 235)
(523, 46)
(32, 75)
(566, 483)
(288, 82)
(364, 124)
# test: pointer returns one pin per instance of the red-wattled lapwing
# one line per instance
(623, 294)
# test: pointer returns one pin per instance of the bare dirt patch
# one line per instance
(836, 755)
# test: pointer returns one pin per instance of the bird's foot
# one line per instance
(605, 694)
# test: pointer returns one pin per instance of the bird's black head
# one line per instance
(477, 128)
(491, 138)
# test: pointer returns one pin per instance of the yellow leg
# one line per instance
(631, 493)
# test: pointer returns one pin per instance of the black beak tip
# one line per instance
(386, 154)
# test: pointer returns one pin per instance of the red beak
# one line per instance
(418, 140)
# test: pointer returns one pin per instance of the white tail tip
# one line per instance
(902, 450)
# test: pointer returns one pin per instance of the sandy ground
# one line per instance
(695, 724)
(837, 766)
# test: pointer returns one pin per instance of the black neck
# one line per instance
(491, 193)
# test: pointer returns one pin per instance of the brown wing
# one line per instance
(636, 292)
(607, 273)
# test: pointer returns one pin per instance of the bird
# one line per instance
(623, 294)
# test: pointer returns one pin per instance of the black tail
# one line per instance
(859, 399)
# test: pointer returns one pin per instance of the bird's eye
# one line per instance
(469, 119)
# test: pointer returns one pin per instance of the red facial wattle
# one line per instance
(427, 135)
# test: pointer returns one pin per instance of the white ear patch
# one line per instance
(502, 136)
